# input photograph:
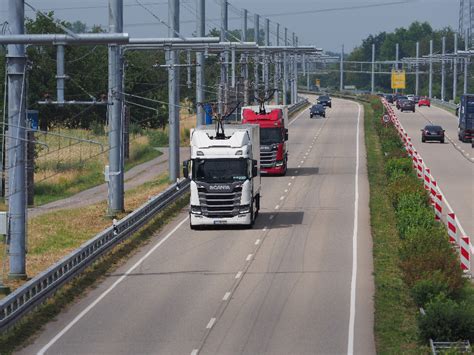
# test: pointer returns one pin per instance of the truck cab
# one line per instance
(273, 123)
(225, 177)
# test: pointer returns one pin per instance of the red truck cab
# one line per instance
(273, 137)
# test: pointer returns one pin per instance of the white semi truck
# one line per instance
(225, 175)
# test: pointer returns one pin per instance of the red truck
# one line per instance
(273, 122)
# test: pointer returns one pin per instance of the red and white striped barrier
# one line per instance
(464, 246)
(452, 228)
(438, 207)
(427, 178)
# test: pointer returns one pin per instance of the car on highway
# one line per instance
(317, 110)
(411, 97)
(416, 99)
(424, 101)
(406, 105)
(399, 99)
(389, 98)
(324, 100)
(432, 133)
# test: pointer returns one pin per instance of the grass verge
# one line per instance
(64, 179)
(33, 323)
(395, 313)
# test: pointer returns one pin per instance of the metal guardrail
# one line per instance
(296, 107)
(37, 290)
(445, 104)
(338, 95)
(34, 292)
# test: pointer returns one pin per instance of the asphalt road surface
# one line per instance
(451, 163)
(299, 282)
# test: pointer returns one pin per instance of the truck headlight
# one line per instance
(196, 210)
(279, 163)
(244, 209)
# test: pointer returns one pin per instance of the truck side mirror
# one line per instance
(254, 168)
(186, 169)
(286, 134)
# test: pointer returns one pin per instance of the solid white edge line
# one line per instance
(211, 323)
(226, 296)
(350, 339)
(106, 292)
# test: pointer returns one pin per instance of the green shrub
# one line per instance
(447, 320)
(97, 128)
(396, 167)
(406, 185)
(425, 290)
(158, 138)
(135, 128)
(412, 212)
(427, 251)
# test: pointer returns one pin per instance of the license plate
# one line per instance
(220, 222)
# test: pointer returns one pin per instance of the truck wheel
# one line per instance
(252, 217)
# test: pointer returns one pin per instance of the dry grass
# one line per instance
(54, 235)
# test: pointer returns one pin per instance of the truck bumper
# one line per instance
(199, 220)
(277, 170)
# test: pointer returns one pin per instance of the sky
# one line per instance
(324, 23)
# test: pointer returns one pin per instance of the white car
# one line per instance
(411, 97)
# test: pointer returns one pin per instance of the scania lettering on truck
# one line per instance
(273, 122)
(225, 176)
(466, 118)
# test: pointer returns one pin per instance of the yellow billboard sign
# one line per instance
(318, 82)
(398, 79)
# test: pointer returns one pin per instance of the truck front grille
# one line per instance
(268, 159)
(220, 204)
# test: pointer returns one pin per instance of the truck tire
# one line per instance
(252, 217)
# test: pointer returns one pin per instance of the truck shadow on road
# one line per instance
(303, 171)
(282, 219)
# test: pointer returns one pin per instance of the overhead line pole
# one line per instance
(373, 70)
(455, 67)
(417, 66)
(265, 57)
(341, 68)
(115, 114)
(16, 168)
(276, 59)
(443, 68)
(430, 78)
(257, 59)
(285, 71)
(466, 61)
(245, 66)
(173, 94)
(200, 63)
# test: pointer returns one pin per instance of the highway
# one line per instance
(299, 282)
(451, 163)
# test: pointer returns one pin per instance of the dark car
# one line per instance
(317, 110)
(407, 105)
(416, 98)
(432, 133)
(324, 100)
(389, 98)
(398, 99)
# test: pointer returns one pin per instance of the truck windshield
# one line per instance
(270, 136)
(220, 170)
